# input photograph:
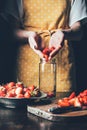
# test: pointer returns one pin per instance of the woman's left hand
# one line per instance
(35, 43)
(56, 41)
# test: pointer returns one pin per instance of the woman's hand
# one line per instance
(56, 41)
(35, 43)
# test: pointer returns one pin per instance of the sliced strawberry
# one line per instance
(72, 95)
(77, 103)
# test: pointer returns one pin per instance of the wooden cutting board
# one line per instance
(41, 109)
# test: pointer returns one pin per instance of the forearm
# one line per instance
(74, 33)
(21, 35)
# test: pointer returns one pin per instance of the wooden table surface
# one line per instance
(21, 119)
(11, 119)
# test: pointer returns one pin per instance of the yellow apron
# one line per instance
(41, 16)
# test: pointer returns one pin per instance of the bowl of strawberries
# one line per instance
(14, 95)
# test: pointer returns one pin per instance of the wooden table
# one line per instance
(20, 119)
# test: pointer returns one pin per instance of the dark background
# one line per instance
(8, 50)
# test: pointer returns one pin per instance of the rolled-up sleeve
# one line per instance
(78, 12)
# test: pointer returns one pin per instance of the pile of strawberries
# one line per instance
(77, 101)
(18, 90)
(46, 52)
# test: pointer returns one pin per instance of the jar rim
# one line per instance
(43, 60)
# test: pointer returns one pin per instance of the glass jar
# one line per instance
(47, 76)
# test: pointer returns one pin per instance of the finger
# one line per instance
(35, 47)
(54, 52)
(33, 43)
(38, 52)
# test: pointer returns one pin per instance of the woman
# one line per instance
(46, 23)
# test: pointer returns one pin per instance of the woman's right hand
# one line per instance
(35, 43)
